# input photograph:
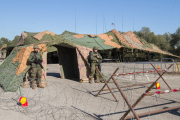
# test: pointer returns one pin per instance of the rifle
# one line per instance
(99, 63)
(38, 61)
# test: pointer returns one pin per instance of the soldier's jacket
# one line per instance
(93, 57)
(32, 57)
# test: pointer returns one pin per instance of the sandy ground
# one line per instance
(65, 99)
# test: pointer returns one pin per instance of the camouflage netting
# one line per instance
(106, 41)
(31, 39)
(88, 41)
(113, 39)
(15, 66)
(67, 32)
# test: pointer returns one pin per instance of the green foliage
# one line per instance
(145, 32)
(168, 36)
(175, 38)
(175, 42)
(1, 44)
(4, 41)
(162, 41)
(14, 42)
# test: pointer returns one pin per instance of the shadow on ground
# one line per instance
(57, 75)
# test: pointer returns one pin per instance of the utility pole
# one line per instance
(114, 21)
(96, 24)
(75, 21)
(122, 22)
(133, 24)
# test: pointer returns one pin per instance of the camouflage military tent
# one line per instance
(73, 51)
(13, 69)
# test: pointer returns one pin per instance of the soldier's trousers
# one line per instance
(94, 72)
(36, 72)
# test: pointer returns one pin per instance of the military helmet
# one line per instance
(36, 47)
(95, 48)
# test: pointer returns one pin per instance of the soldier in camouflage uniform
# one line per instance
(35, 59)
(94, 57)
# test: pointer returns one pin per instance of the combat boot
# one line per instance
(97, 81)
(34, 85)
(40, 85)
(92, 80)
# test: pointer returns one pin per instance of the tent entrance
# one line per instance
(52, 58)
(68, 62)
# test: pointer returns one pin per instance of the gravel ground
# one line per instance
(65, 99)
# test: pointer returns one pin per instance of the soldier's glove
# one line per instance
(98, 56)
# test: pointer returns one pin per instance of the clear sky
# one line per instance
(87, 16)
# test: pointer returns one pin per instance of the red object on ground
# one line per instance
(157, 85)
(23, 101)
(175, 90)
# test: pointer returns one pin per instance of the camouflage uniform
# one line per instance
(94, 56)
(36, 69)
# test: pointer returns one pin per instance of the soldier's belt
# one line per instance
(94, 62)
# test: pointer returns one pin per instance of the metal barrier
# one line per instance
(154, 63)
(167, 59)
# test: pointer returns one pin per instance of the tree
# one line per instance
(4, 41)
(151, 38)
(175, 38)
(145, 32)
(175, 42)
(162, 43)
(0, 44)
(168, 36)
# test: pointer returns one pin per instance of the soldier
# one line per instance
(35, 59)
(95, 57)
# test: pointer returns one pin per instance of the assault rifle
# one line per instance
(99, 63)
(38, 61)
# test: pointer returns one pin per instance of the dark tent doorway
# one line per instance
(52, 58)
(68, 62)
